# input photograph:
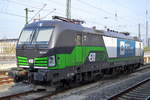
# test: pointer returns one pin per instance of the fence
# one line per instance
(8, 49)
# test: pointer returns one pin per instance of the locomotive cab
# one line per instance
(40, 48)
(31, 36)
(33, 46)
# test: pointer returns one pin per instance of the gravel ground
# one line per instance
(14, 89)
(102, 89)
(5, 88)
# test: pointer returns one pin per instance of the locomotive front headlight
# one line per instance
(51, 61)
(31, 61)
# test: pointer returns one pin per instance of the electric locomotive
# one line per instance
(63, 51)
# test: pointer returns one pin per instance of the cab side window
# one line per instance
(78, 39)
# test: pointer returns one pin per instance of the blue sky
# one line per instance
(99, 13)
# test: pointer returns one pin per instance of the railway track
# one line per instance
(3, 72)
(4, 79)
(38, 95)
(16, 96)
(140, 91)
(31, 95)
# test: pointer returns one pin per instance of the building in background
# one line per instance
(8, 49)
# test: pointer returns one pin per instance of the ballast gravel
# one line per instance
(104, 89)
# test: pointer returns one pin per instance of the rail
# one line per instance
(134, 89)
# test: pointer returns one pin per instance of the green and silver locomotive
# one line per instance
(63, 51)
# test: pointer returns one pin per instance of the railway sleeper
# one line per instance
(133, 97)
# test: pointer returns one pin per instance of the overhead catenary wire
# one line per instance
(48, 14)
(12, 14)
(28, 5)
(85, 11)
(79, 9)
(38, 12)
(130, 10)
(105, 11)
(23, 4)
(74, 7)
(61, 4)
(98, 8)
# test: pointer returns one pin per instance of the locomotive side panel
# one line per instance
(85, 49)
(139, 49)
(122, 52)
(125, 48)
(111, 46)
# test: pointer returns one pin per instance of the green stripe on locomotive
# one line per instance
(80, 54)
(76, 58)
(23, 61)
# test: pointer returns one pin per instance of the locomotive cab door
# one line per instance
(81, 49)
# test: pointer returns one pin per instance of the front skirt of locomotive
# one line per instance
(41, 76)
(51, 76)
